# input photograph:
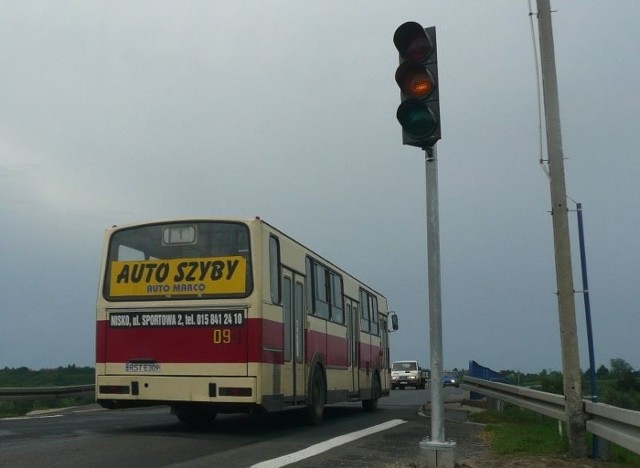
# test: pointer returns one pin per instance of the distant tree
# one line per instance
(626, 378)
(622, 387)
(620, 366)
(551, 382)
(602, 372)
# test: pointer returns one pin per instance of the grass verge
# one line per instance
(520, 432)
(20, 408)
(516, 431)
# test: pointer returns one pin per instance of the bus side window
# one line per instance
(374, 315)
(321, 291)
(325, 297)
(364, 301)
(310, 283)
(275, 270)
(337, 307)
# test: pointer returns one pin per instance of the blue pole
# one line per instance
(587, 310)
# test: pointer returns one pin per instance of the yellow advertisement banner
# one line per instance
(182, 276)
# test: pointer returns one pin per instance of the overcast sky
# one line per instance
(117, 112)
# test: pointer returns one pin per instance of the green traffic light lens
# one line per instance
(419, 124)
(417, 119)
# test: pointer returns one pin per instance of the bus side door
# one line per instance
(293, 372)
(353, 337)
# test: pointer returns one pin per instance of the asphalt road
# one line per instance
(152, 437)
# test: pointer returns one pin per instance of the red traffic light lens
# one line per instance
(412, 42)
(419, 49)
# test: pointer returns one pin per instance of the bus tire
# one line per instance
(194, 415)
(372, 404)
(108, 404)
(316, 400)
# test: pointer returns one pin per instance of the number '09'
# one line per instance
(221, 336)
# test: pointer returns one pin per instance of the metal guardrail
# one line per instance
(40, 393)
(617, 425)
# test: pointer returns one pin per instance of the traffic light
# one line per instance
(417, 77)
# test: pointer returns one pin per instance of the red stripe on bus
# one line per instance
(370, 356)
(335, 349)
(191, 344)
(257, 341)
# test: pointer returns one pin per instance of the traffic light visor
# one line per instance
(412, 42)
(416, 118)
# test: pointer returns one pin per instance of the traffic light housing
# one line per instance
(417, 77)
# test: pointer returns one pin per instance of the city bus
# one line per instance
(231, 315)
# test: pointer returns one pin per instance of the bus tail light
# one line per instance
(114, 389)
(235, 391)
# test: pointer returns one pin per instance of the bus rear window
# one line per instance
(179, 260)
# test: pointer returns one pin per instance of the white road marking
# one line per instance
(20, 418)
(326, 445)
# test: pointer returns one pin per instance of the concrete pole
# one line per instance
(564, 276)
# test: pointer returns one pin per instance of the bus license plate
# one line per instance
(140, 367)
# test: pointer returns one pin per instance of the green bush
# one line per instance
(58, 377)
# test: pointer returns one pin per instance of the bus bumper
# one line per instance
(167, 389)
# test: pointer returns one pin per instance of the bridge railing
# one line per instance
(40, 393)
(617, 425)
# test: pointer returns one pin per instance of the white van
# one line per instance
(407, 374)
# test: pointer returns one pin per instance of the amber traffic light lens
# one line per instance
(418, 84)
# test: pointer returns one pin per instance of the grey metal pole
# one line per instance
(564, 276)
(435, 295)
(440, 453)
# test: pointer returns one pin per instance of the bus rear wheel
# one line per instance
(194, 415)
(315, 405)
